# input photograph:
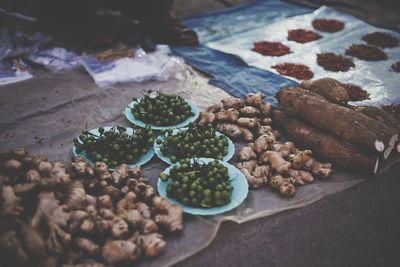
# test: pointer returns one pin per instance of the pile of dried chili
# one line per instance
(366, 52)
(303, 36)
(328, 25)
(333, 62)
(381, 39)
(355, 92)
(271, 48)
(396, 66)
(298, 71)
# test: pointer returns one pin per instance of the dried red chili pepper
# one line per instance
(355, 92)
(366, 52)
(298, 71)
(381, 39)
(303, 36)
(333, 62)
(271, 48)
(396, 66)
(328, 25)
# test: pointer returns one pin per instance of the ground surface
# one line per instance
(358, 227)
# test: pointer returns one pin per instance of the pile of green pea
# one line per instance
(162, 110)
(195, 142)
(199, 185)
(115, 146)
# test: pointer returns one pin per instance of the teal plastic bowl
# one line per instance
(136, 121)
(227, 157)
(239, 193)
(141, 161)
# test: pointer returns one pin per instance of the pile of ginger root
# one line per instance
(265, 160)
(88, 216)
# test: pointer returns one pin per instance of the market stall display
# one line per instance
(72, 218)
(267, 159)
(195, 141)
(115, 145)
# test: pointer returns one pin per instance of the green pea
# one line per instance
(164, 177)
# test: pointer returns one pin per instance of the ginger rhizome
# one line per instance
(265, 160)
(88, 217)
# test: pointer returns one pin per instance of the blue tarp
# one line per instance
(229, 72)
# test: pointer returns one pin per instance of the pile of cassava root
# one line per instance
(317, 116)
(90, 217)
(265, 160)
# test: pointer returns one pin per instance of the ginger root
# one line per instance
(278, 163)
(206, 117)
(283, 185)
(170, 215)
(322, 170)
(247, 153)
(87, 246)
(120, 251)
(301, 177)
(249, 111)
(254, 100)
(265, 155)
(46, 212)
(258, 177)
(232, 102)
(52, 214)
(264, 142)
(228, 115)
(248, 122)
(248, 165)
(150, 244)
(10, 202)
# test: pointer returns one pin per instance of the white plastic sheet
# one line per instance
(55, 59)
(158, 65)
(376, 77)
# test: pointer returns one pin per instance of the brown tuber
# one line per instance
(323, 144)
(350, 125)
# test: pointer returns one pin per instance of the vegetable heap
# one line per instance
(87, 216)
(328, 25)
(275, 49)
(298, 71)
(334, 62)
(303, 36)
(195, 142)
(162, 110)
(381, 39)
(115, 146)
(199, 185)
(366, 52)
